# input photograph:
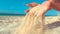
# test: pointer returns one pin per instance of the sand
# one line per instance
(10, 24)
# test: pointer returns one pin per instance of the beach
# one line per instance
(9, 24)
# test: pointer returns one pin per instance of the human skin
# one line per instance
(55, 5)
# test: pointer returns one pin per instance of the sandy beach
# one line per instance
(9, 24)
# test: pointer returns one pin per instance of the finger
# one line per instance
(27, 10)
(32, 4)
(29, 5)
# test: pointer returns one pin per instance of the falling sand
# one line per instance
(33, 22)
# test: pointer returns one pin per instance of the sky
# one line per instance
(19, 6)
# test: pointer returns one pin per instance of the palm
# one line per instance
(40, 9)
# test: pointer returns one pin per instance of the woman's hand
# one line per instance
(39, 8)
(31, 6)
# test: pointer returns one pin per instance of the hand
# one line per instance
(31, 6)
(44, 6)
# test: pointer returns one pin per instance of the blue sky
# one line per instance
(19, 6)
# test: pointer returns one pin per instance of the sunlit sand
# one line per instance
(50, 29)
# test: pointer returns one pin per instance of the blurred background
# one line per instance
(18, 7)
